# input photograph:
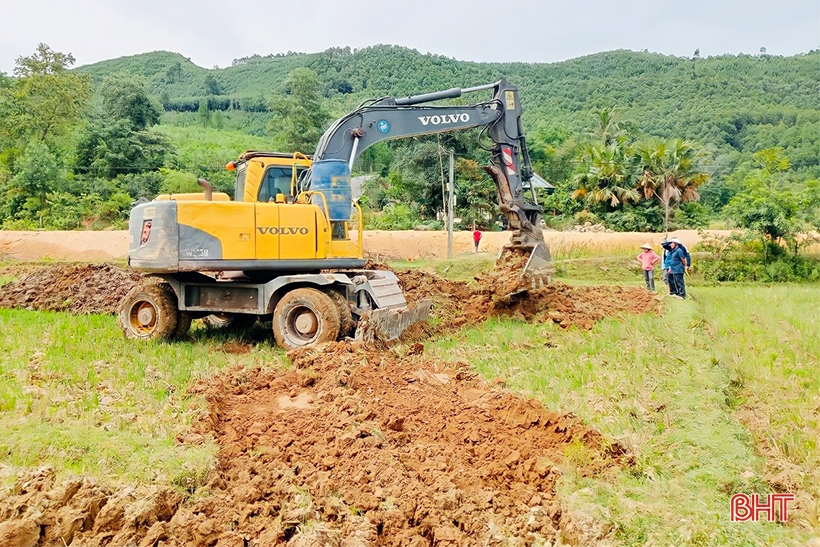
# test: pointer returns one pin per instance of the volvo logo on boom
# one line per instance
(444, 119)
(283, 231)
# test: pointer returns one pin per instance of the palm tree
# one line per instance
(607, 174)
(607, 127)
(671, 172)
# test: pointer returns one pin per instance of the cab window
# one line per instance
(241, 172)
(276, 181)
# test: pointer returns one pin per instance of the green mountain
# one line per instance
(737, 103)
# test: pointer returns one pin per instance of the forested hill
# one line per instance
(744, 102)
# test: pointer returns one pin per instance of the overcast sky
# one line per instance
(216, 32)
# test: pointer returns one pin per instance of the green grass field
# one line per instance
(75, 394)
(718, 395)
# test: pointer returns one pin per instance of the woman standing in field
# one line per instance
(648, 258)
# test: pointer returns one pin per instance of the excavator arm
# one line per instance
(395, 118)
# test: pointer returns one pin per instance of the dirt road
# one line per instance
(112, 245)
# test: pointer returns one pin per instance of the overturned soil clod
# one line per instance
(98, 288)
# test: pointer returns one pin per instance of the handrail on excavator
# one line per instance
(328, 231)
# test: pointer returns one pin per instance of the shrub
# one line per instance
(394, 217)
(691, 215)
(738, 258)
(584, 216)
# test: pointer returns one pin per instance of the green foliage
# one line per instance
(764, 121)
(45, 101)
(740, 103)
(44, 61)
(299, 115)
(203, 114)
(606, 178)
(643, 217)
(126, 97)
(740, 257)
(397, 216)
(692, 215)
(751, 268)
(672, 172)
(771, 213)
(205, 151)
(476, 201)
(66, 211)
(141, 185)
(776, 212)
(177, 182)
(110, 148)
(38, 173)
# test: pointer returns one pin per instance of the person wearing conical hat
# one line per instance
(648, 258)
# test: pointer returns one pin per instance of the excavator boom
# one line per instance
(510, 167)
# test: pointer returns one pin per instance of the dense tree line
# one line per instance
(637, 141)
(736, 104)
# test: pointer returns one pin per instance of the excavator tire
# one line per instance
(221, 320)
(149, 312)
(347, 325)
(184, 321)
(184, 318)
(306, 317)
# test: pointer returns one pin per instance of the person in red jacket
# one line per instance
(476, 239)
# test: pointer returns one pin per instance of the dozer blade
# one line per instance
(387, 324)
(539, 268)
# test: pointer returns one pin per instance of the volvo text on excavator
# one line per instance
(284, 248)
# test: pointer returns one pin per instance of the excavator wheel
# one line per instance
(221, 320)
(306, 317)
(184, 321)
(347, 325)
(184, 318)
(149, 312)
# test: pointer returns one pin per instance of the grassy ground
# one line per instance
(718, 395)
(75, 394)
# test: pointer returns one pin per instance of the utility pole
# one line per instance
(450, 206)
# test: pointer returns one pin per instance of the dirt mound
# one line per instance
(493, 294)
(355, 447)
(86, 288)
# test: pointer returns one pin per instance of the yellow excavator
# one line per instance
(284, 249)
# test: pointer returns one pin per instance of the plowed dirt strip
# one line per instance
(458, 303)
(355, 446)
(98, 288)
(86, 288)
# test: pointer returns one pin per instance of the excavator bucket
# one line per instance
(532, 260)
(389, 324)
